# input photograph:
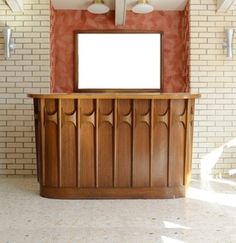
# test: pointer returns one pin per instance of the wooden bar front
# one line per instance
(121, 145)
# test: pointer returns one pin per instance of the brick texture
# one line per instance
(214, 76)
(27, 71)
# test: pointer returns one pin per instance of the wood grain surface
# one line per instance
(114, 147)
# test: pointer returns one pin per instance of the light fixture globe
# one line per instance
(142, 7)
(98, 7)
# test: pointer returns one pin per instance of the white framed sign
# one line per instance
(118, 61)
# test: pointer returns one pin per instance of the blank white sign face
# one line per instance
(119, 61)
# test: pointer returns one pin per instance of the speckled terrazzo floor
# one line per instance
(208, 214)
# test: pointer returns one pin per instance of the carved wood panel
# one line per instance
(105, 143)
(123, 169)
(68, 143)
(160, 133)
(177, 143)
(141, 143)
(114, 143)
(189, 140)
(87, 143)
(51, 140)
(37, 122)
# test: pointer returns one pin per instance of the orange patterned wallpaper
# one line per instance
(186, 51)
(66, 22)
(52, 42)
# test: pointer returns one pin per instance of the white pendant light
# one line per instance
(142, 7)
(98, 7)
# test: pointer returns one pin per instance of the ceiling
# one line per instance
(83, 4)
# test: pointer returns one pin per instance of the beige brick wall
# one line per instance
(214, 77)
(27, 71)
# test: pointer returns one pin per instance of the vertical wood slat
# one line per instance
(123, 143)
(142, 144)
(51, 148)
(37, 138)
(87, 140)
(69, 143)
(59, 143)
(151, 131)
(96, 142)
(188, 145)
(160, 143)
(177, 142)
(42, 124)
(132, 145)
(169, 141)
(191, 115)
(78, 142)
(105, 143)
(115, 124)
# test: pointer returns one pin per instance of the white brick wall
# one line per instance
(214, 77)
(25, 72)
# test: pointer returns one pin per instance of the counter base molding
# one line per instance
(112, 193)
(92, 146)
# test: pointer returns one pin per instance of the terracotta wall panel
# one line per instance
(66, 22)
(186, 59)
(52, 43)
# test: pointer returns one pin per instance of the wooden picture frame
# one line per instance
(92, 90)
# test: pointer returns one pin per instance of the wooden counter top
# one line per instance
(115, 96)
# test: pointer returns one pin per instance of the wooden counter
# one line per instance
(114, 145)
